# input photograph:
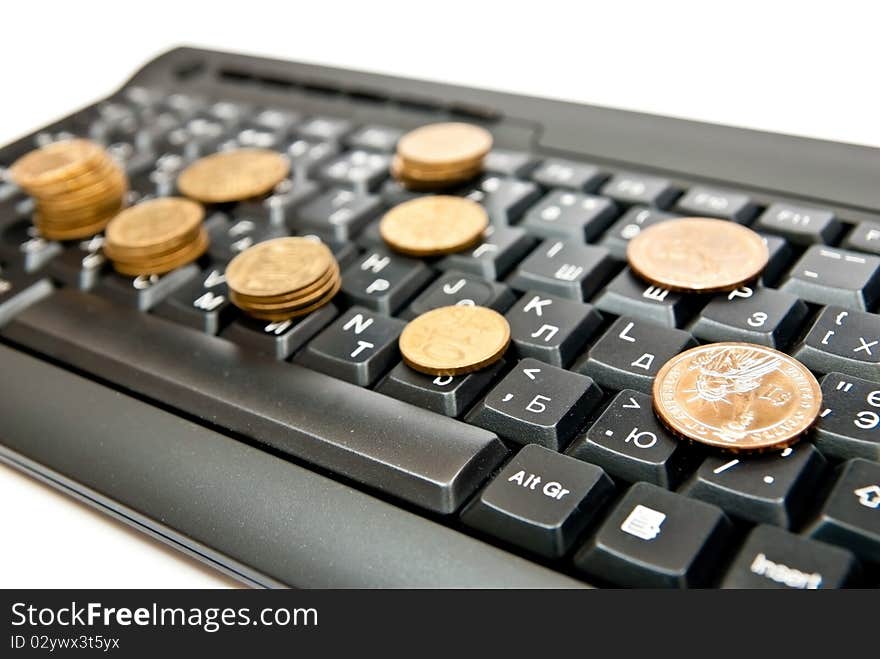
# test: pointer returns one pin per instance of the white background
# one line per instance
(803, 67)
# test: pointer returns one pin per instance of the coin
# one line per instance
(54, 162)
(421, 180)
(737, 397)
(168, 262)
(233, 175)
(444, 145)
(454, 340)
(697, 254)
(434, 225)
(278, 266)
(154, 225)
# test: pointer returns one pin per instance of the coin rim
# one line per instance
(193, 190)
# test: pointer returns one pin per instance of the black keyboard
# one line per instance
(305, 453)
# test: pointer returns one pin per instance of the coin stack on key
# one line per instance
(283, 278)
(454, 340)
(441, 155)
(234, 175)
(76, 186)
(156, 236)
(434, 225)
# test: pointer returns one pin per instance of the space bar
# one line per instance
(426, 459)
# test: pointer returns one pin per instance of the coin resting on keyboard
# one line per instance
(283, 278)
(77, 188)
(233, 175)
(697, 254)
(156, 236)
(440, 155)
(454, 340)
(434, 225)
(737, 397)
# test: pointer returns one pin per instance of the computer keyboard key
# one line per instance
(850, 516)
(22, 245)
(359, 169)
(865, 237)
(628, 295)
(700, 201)
(358, 347)
(327, 129)
(146, 291)
(338, 213)
(629, 225)
(630, 189)
(541, 501)
(493, 258)
(423, 458)
(754, 315)
(537, 404)
(824, 275)
(460, 288)
(18, 290)
(202, 303)
(374, 138)
(849, 423)
(449, 395)
(306, 155)
(774, 558)
(845, 341)
(574, 216)
(504, 199)
(780, 257)
(228, 239)
(559, 173)
(278, 339)
(657, 539)
(506, 162)
(629, 443)
(81, 264)
(773, 489)
(801, 225)
(393, 192)
(551, 329)
(383, 281)
(565, 269)
(631, 352)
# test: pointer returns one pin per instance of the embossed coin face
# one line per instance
(434, 225)
(697, 254)
(454, 340)
(444, 145)
(737, 396)
(233, 175)
(154, 223)
(278, 267)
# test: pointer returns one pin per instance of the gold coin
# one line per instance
(166, 263)
(113, 186)
(421, 181)
(54, 162)
(154, 225)
(75, 232)
(233, 175)
(737, 397)
(287, 313)
(434, 225)
(697, 254)
(444, 146)
(278, 267)
(297, 298)
(454, 340)
(105, 168)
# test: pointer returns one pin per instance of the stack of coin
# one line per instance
(697, 255)
(234, 175)
(77, 188)
(156, 236)
(454, 340)
(434, 225)
(283, 278)
(440, 155)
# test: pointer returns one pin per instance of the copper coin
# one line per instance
(155, 225)
(444, 145)
(697, 254)
(737, 397)
(454, 340)
(75, 232)
(233, 175)
(55, 162)
(278, 267)
(166, 263)
(434, 225)
(285, 314)
(300, 297)
(104, 168)
(418, 180)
